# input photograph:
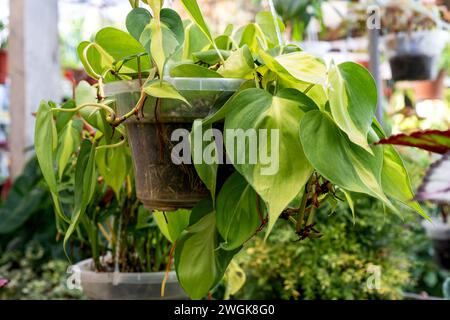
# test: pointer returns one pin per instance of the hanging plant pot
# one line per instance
(439, 232)
(127, 286)
(3, 66)
(430, 90)
(160, 183)
(415, 56)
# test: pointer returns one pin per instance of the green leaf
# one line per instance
(253, 37)
(195, 258)
(85, 184)
(210, 57)
(86, 94)
(164, 43)
(236, 212)
(172, 224)
(163, 38)
(194, 41)
(45, 137)
(223, 42)
(206, 171)
(240, 64)
(304, 67)
(395, 181)
(114, 44)
(234, 279)
(297, 66)
(157, 46)
(68, 143)
(195, 13)
(229, 30)
(164, 90)
(111, 45)
(266, 22)
(114, 166)
(353, 101)
(63, 118)
(200, 265)
(278, 185)
(156, 6)
(339, 160)
(189, 70)
(173, 22)
(351, 204)
(137, 20)
(92, 60)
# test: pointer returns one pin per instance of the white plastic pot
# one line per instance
(439, 232)
(127, 286)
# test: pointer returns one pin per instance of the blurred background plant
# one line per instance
(3, 35)
(31, 260)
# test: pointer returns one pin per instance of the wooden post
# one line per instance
(34, 70)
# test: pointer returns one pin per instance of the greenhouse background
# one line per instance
(363, 251)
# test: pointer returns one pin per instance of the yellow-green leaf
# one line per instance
(164, 90)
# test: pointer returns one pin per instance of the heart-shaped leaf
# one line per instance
(114, 165)
(200, 265)
(69, 141)
(236, 212)
(194, 11)
(240, 64)
(137, 20)
(280, 178)
(45, 139)
(206, 171)
(210, 57)
(163, 90)
(85, 184)
(339, 160)
(297, 66)
(253, 37)
(266, 22)
(194, 41)
(172, 224)
(353, 101)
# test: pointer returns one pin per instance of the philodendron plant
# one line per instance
(318, 123)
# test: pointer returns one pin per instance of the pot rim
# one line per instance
(88, 275)
(181, 84)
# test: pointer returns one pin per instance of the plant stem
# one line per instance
(112, 146)
(169, 265)
(301, 215)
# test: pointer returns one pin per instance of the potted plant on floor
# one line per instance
(415, 39)
(277, 133)
(3, 53)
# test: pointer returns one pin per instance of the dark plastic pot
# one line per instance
(415, 56)
(161, 184)
(128, 286)
(3, 66)
(439, 232)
